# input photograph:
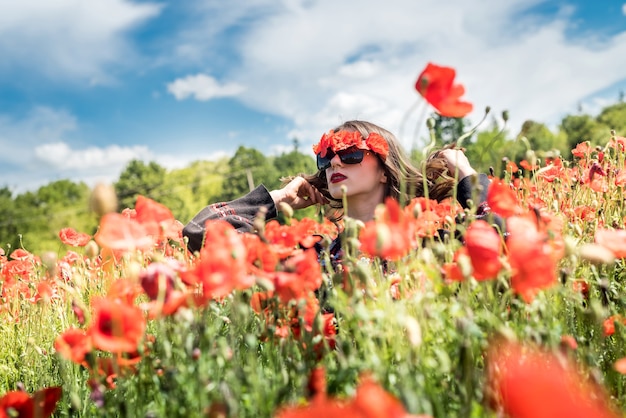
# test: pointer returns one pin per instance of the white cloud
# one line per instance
(36, 150)
(202, 87)
(60, 156)
(65, 39)
(624, 9)
(319, 63)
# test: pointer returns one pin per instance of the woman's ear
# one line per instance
(383, 178)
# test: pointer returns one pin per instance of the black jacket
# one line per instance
(241, 212)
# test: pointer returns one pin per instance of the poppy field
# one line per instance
(432, 310)
(528, 321)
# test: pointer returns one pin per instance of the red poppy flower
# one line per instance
(40, 405)
(116, 327)
(502, 199)
(532, 257)
(222, 265)
(582, 150)
(287, 239)
(390, 235)
(608, 325)
(157, 219)
(74, 238)
(436, 85)
(484, 246)
(21, 254)
(303, 274)
(370, 401)
(119, 233)
(73, 345)
(527, 382)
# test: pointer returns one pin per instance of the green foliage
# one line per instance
(247, 169)
(614, 118)
(488, 150)
(139, 178)
(580, 128)
(448, 130)
(294, 163)
(39, 216)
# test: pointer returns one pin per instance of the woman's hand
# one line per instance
(298, 194)
(457, 161)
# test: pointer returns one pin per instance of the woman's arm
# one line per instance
(240, 213)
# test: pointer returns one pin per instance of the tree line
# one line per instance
(33, 219)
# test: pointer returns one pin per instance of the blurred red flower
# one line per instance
(157, 219)
(73, 345)
(532, 255)
(502, 199)
(436, 85)
(116, 327)
(40, 405)
(222, 265)
(120, 233)
(484, 247)
(74, 238)
(370, 401)
(527, 382)
(390, 235)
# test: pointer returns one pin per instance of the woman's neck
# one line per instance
(363, 208)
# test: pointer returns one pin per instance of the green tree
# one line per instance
(8, 214)
(191, 188)
(294, 162)
(613, 118)
(139, 178)
(488, 149)
(248, 168)
(580, 128)
(539, 138)
(42, 214)
(448, 130)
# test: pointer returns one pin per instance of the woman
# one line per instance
(365, 162)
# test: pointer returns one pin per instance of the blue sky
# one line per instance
(86, 86)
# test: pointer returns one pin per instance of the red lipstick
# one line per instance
(337, 177)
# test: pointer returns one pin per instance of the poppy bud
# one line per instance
(430, 122)
(505, 115)
(103, 199)
(92, 249)
(286, 209)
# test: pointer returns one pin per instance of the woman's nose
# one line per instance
(335, 161)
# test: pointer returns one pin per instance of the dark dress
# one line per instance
(241, 212)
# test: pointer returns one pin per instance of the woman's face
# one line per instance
(365, 180)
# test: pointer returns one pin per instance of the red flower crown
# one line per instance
(340, 140)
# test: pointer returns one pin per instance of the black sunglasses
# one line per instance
(351, 155)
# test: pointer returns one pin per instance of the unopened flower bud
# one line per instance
(430, 122)
(505, 115)
(286, 209)
(103, 199)
(92, 249)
